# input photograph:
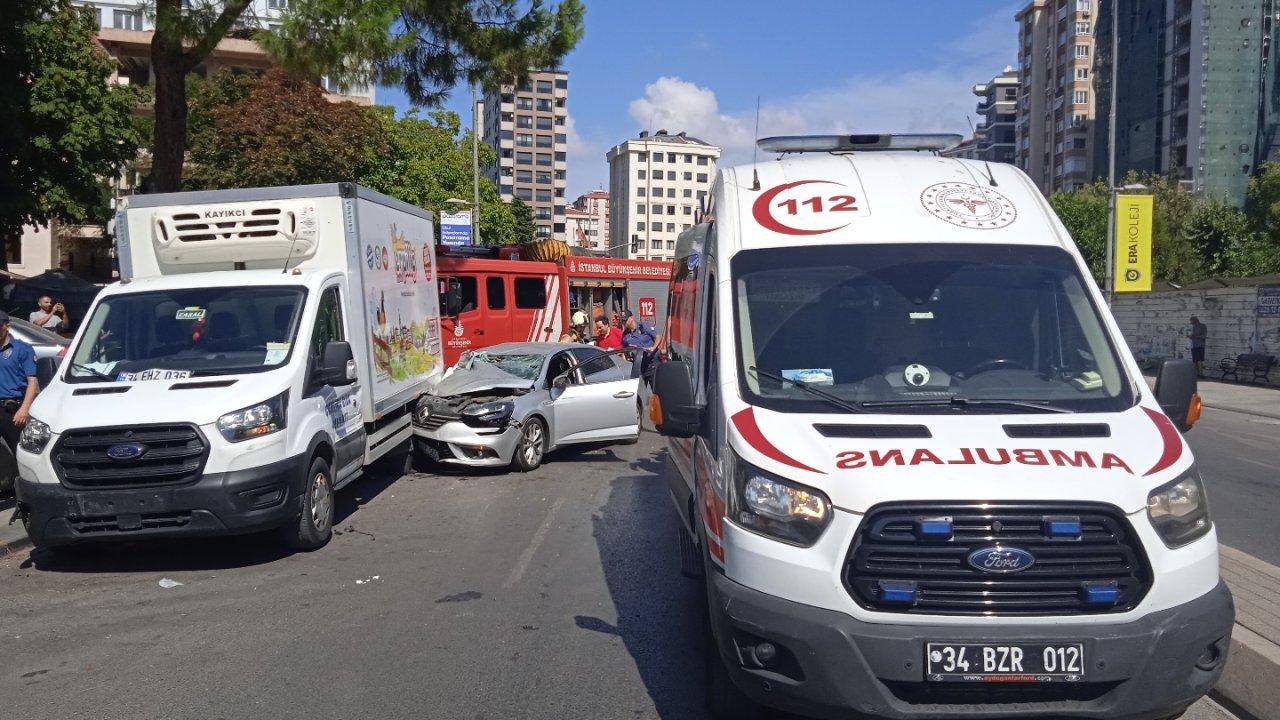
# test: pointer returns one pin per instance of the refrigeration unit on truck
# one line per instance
(261, 348)
(916, 464)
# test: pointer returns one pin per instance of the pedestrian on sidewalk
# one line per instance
(1199, 332)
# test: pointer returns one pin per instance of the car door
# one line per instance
(600, 402)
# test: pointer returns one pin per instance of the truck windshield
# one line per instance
(922, 328)
(173, 334)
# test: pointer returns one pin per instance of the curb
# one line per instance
(15, 546)
(1242, 411)
(1249, 682)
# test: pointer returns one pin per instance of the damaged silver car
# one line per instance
(511, 404)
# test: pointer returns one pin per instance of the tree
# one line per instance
(1213, 229)
(425, 45)
(1084, 213)
(525, 228)
(67, 131)
(1262, 203)
(276, 130)
(428, 162)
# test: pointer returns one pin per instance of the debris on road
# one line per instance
(368, 580)
(168, 583)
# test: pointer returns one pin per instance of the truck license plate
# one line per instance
(1021, 662)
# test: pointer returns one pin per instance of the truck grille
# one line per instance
(892, 550)
(169, 455)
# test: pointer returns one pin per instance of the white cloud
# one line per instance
(938, 98)
(587, 167)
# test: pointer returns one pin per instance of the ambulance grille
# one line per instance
(890, 547)
(169, 455)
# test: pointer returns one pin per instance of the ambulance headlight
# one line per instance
(35, 435)
(1179, 511)
(254, 421)
(777, 508)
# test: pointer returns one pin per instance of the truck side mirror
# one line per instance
(675, 413)
(453, 298)
(1176, 392)
(337, 365)
(46, 369)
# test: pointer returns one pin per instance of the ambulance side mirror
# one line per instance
(675, 413)
(46, 369)
(1176, 387)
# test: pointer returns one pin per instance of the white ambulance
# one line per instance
(262, 347)
(917, 466)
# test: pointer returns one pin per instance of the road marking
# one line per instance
(526, 557)
(1256, 462)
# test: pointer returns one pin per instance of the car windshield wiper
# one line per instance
(96, 373)
(961, 403)
(835, 400)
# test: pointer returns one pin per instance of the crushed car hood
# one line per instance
(482, 376)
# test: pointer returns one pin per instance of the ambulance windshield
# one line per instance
(922, 328)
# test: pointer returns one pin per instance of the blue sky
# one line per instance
(816, 65)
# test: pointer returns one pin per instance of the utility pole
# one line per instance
(1111, 152)
(475, 167)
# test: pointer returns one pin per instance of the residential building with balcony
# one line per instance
(995, 137)
(593, 220)
(657, 185)
(526, 125)
(1054, 118)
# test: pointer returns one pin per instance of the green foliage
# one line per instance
(428, 161)
(275, 130)
(1084, 213)
(67, 132)
(425, 46)
(525, 228)
(1213, 229)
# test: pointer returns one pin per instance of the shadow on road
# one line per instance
(657, 608)
(209, 553)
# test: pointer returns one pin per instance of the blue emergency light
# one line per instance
(1063, 527)
(898, 592)
(934, 528)
(1099, 593)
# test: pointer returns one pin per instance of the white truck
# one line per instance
(915, 461)
(261, 348)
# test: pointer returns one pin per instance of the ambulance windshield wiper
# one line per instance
(831, 399)
(96, 373)
(961, 403)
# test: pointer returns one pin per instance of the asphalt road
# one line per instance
(549, 595)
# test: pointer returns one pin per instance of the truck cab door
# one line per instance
(537, 313)
(465, 330)
(340, 404)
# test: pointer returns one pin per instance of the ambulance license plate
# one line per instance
(1020, 662)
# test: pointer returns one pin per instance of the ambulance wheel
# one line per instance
(532, 446)
(314, 525)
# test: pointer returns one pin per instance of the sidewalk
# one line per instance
(1237, 397)
(1251, 680)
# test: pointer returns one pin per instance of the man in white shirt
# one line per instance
(50, 315)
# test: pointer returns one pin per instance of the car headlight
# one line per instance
(422, 413)
(489, 415)
(254, 421)
(771, 506)
(1179, 511)
(35, 435)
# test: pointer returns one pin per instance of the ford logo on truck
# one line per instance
(1001, 560)
(127, 451)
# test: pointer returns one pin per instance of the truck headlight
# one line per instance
(254, 421)
(35, 435)
(489, 415)
(771, 506)
(1179, 511)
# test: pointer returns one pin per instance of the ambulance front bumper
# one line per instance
(831, 665)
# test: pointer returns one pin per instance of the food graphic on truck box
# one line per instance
(406, 343)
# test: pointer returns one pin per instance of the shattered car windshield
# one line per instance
(522, 366)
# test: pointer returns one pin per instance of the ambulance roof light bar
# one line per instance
(846, 143)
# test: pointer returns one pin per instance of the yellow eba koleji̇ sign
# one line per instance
(1133, 243)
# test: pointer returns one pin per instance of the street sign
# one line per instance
(1269, 300)
(455, 228)
(1133, 243)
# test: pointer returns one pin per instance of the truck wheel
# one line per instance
(532, 446)
(314, 526)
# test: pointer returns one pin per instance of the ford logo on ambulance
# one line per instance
(999, 559)
(129, 451)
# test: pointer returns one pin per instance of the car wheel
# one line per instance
(314, 526)
(532, 446)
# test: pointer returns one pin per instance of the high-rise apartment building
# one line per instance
(657, 184)
(995, 138)
(587, 221)
(1196, 96)
(1055, 113)
(526, 126)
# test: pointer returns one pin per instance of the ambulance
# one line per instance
(916, 466)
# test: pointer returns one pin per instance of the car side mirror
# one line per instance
(672, 405)
(558, 386)
(337, 365)
(46, 369)
(1175, 391)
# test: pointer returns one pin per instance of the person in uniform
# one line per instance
(17, 383)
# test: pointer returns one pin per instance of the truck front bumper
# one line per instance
(831, 665)
(230, 503)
